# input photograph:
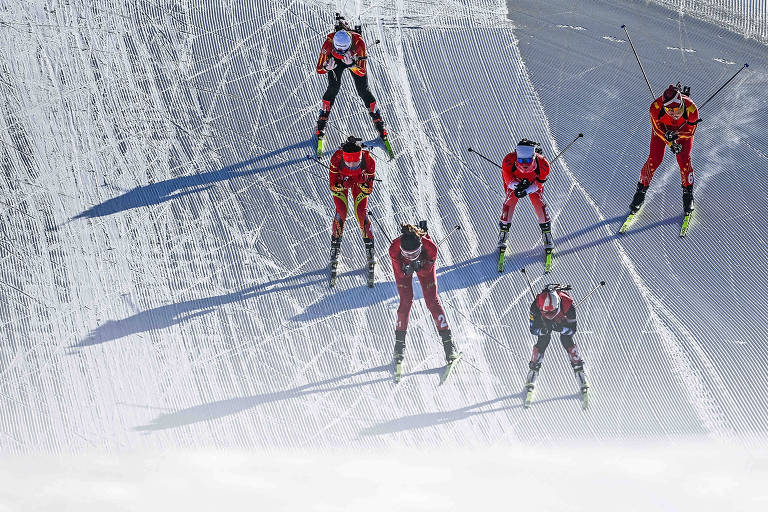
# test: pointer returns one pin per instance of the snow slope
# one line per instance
(163, 237)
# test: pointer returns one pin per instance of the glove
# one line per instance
(541, 331)
(412, 267)
(367, 187)
(330, 64)
(671, 135)
(676, 148)
(337, 187)
(533, 187)
(521, 189)
(348, 59)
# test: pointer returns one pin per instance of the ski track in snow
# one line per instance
(164, 238)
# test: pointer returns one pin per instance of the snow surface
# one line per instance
(163, 242)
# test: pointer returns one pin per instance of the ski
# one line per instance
(584, 397)
(686, 224)
(449, 368)
(624, 227)
(388, 148)
(398, 370)
(319, 150)
(548, 262)
(502, 255)
(528, 396)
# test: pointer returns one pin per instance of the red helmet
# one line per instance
(548, 302)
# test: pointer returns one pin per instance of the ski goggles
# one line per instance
(524, 160)
(412, 254)
(674, 110)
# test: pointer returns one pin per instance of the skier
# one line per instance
(673, 122)
(553, 310)
(352, 169)
(524, 172)
(415, 252)
(344, 48)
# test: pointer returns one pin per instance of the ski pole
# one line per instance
(530, 286)
(483, 157)
(381, 228)
(602, 283)
(726, 83)
(653, 96)
(455, 228)
(310, 157)
(566, 147)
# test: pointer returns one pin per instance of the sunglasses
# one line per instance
(525, 160)
(675, 111)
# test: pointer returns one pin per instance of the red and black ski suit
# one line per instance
(359, 181)
(427, 278)
(564, 323)
(661, 122)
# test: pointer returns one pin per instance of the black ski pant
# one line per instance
(361, 84)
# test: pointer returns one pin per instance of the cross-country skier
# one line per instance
(353, 170)
(673, 122)
(342, 49)
(552, 310)
(414, 252)
(524, 172)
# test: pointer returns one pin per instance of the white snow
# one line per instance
(168, 337)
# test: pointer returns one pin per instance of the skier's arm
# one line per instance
(366, 179)
(658, 129)
(687, 130)
(537, 325)
(394, 255)
(429, 252)
(507, 170)
(325, 54)
(360, 56)
(568, 326)
(335, 179)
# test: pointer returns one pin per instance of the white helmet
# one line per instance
(342, 41)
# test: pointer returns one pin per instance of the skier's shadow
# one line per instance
(174, 188)
(431, 419)
(162, 317)
(222, 408)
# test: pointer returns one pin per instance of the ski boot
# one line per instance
(322, 122)
(688, 199)
(371, 260)
(451, 354)
(549, 245)
(378, 123)
(546, 236)
(335, 248)
(581, 378)
(638, 198)
(399, 346)
(397, 357)
(534, 365)
(503, 233)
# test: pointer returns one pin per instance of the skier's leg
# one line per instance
(361, 84)
(405, 290)
(506, 219)
(334, 84)
(428, 281)
(340, 201)
(361, 212)
(537, 356)
(542, 212)
(577, 363)
(655, 157)
(686, 173)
